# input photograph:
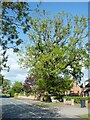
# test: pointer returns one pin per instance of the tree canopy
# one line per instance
(5, 83)
(56, 51)
(1, 79)
(14, 17)
(29, 85)
(17, 87)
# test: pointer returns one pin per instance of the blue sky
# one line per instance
(76, 8)
(79, 8)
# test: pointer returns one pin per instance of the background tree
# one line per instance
(6, 86)
(5, 83)
(17, 87)
(57, 48)
(29, 85)
(1, 79)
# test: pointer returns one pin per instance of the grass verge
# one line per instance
(45, 104)
(41, 104)
(85, 116)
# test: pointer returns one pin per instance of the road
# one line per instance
(12, 108)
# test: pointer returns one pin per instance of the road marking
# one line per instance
(13, 103)
(32, 113)
(17, 105)
(22, 107)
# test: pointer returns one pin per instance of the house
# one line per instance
(76, 90)
(86, 91)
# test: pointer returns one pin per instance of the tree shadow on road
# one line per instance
(24, 111)
(16, 110)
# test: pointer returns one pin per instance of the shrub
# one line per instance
(15, 94)
(27, 94)
(46, 98)
(76, 98)
(21, 93)
(59, 98)
(12, 93)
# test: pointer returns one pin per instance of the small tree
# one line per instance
(17, 87)
(29, 85)
(11, 92)
(5, 84)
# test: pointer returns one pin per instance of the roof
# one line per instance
(87, 89)
(87, 80)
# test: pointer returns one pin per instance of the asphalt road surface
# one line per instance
(15, 109)
(12, 109)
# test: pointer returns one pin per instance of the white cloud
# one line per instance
(15, 73)
(85, 77)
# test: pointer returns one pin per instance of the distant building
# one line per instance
(76, 90)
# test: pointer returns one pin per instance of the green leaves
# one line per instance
(17, 87)
(18, 42)
(15, 49)
(5, 85)
(15, 18)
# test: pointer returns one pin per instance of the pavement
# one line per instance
(72, 111)
(16, 109)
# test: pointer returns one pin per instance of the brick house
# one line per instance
(76, 90)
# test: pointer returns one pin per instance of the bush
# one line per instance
(77, 99)
(15, 94)
(59, 98)
(12, 93)
(21, 93)
(27, 94)
(46, 98)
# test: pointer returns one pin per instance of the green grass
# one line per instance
(45, 104)
(41, 104)
(85, 116)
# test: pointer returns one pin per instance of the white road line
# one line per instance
(17, 105)
(13, 103)
(21, 106)
(32, 113)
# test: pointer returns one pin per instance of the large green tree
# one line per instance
(57, 51)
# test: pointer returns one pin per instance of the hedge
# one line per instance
(77, 99)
